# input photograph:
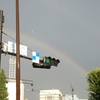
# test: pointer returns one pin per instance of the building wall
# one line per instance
(12, 67)
(11, 86)
(25, 99)
(53, 94)
(83, 99)
(69, 97)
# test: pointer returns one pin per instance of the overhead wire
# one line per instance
(15, 40)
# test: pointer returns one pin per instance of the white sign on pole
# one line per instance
(35, 57)
(5, 47)
(11, 47)
(23, 50)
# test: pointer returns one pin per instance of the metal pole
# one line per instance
(1, 25)
(17, 52)
(72, 89)
(0, 35)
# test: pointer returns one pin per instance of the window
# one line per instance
(49, 97)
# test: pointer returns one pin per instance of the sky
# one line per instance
(67, 30)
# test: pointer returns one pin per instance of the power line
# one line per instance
(14, 39)
(9, 36)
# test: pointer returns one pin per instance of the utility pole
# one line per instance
(17, 52)
(72, 90)
(1, 25)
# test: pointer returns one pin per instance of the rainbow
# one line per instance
(30, 39)
(74, 18)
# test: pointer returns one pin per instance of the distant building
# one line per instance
(25, 99)
(11, 87)
(12, 67)
(69, 97)
(83, 99)
(53, 94)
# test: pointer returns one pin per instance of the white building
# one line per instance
(25, 99)
(12, 67)
(53, 94)
(83, 99)
(70, 97)
(11, 87)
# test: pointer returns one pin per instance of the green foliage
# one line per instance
(3, 88)
(93, 79)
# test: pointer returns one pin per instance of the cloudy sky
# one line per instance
(65, 29)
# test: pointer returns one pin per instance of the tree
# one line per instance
(3, 88)
(93, 79)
